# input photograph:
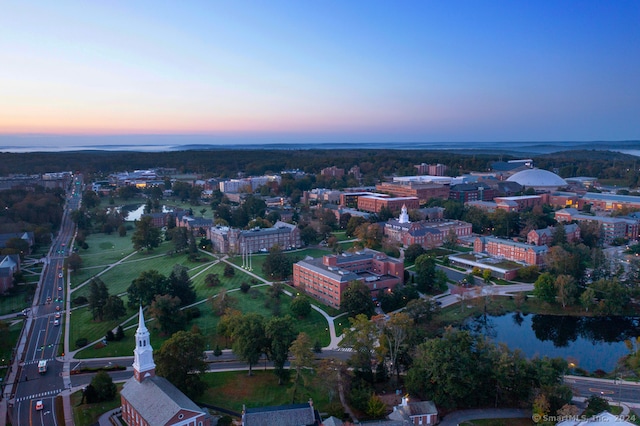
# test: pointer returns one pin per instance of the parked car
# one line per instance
(39, 405)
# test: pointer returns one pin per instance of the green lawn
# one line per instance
(88, 414)
(6, 348)
(19, 298)
(257, 260)
(340, 236)
(119, 278)
(105, 249)
(234, 388)
(83, 325)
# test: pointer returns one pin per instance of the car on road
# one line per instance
(57, 315)
(59, 288)
(39, 405)
(56, 322)
(60, 275)
(58, 308)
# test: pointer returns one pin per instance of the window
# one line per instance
(181, 416)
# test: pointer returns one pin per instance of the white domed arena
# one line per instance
(538, 179)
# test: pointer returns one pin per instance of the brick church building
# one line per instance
(150, 400)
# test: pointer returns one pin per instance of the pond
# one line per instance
(135, 211)
(591, 343)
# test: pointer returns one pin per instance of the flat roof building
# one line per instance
(326, 278)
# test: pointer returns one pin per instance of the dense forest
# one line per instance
(374, 164)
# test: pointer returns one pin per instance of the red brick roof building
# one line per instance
(326, 278)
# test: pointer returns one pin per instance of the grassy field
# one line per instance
(254, 301)
(257, 260)
(232, 389)
(88, 414)
(119, 278)
(7, 347)
(17, 300)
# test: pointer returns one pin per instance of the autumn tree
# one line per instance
(362, 338)
(146, 235)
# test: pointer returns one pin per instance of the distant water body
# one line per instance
(519, 148)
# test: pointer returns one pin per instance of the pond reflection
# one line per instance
(595, 342)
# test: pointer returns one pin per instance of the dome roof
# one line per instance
(537, 178)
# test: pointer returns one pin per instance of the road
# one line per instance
(613, 390)
(43, 333)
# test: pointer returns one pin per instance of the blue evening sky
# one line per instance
(340, 71)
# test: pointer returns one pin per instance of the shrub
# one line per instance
(81, 342)
(109, 337)
(245, 287)
(191, 313)
(80, 300)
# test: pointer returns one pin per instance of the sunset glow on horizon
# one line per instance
(430, 71)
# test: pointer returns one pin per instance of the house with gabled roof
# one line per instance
(415, 412)
(9, 265)
(150, 400)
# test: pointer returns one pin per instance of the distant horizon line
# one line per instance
(515, 147)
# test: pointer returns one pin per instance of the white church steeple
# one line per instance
(404, 216)
(143, 365)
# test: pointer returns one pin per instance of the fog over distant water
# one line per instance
(162, 143)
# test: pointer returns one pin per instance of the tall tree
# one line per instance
(180, 361)
(395, 334)
(146, 234)
(166, 310)
(544, 288)
(425, 268)
(105, 389)
(455, 370)
(114, 308)
(356, 300)
(362, 338)
(281, 334)
(302, 358)
(249, 341)
(98, 295)
(180, 285)
(144, 288)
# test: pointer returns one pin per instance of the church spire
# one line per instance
(143, 365)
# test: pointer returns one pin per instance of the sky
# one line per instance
(336, 71)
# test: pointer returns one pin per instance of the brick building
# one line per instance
(236, 241)
(150, 400)
(544, 237)
(375, 203)
(518, 203)
(423, 191)
(326, 278)
(465, 192)
(332, 171)
(611, 227)
(511, 250)
(428, 234)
